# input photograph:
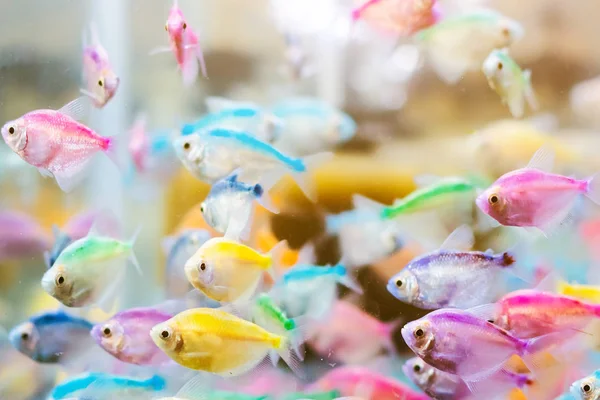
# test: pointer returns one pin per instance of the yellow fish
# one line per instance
(587, 293)
(215, 341)
(226, 270)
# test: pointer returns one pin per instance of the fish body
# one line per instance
(369, 385)
(215, 154)
(512, 84)
(534, 197)
(463, 344)
(447, 278)
(268, 314)
(305, 274)
(101, 80)
(398, 17)
(217, 342)
(229, 206)
(88, 269)
(55, 143)
(185, 45)
(21, 236)
(104, 386)
(308, 126)
(125, 336)
(178, 250)
(226, 270)
(51, 337)
(450, 47)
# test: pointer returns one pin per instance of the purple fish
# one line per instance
(100, 78)
(21, 236)
(126, 336)
(463, 344)
(534, 197)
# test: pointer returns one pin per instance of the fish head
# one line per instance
(110, 336)
(14, 134)
(419, 372)
(199, 271)
(104, 87)
(176, 25)
(208, 213)
(404, 286)
(510, 30)
(586, 388)
(25, 338)
(189, 150)
(58, 283)
(493, 201)
(495, 69)
(167, 337)
(419, 335)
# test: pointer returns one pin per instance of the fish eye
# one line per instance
(399, 283)
(165, 334)
(100, 83)
(500, 66)
(11, 130)
(60, 280)
(24, 336)
(417, 368)
(187, 145)
(493, 199)
(586, 388)
(491, 321)
(184, 25)
(167, 27)
(505, 31)
(203, 266)
(106, 332)
(419, 333)
(202, 208)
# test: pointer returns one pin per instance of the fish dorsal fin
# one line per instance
(425, 180)
(77, 109)
(543, 159)
(195, 389)
(362, 202)
(461, 239)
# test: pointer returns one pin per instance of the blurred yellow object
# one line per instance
(265, 240)
(588, 293)
(19, 376)
(193, 219)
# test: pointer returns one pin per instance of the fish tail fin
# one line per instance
(112, 151)
(528, 91)
(501, 382)
(306, 164)
(557, 345)
(276, 256)
(200, 57)
(286, 351)
(157, 383)
(261, 192)
(345, 278)
(592, 190)
(300, 334)
(132, 257)
(189, 70)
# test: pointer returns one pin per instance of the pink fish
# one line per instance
(55, 143)
(534, 197)
(399, 17)
(368, 338)
(21, 236)
(362, 382)
(100, 78)
(184, 44)
(139, 144)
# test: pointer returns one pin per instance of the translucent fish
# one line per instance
(512, 84)
(101, 80)
(21, 236)
(219, 343)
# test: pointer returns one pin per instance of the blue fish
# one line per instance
(229, 205)
(105, 386)
(51, 337)
(308, 272)
(215, 154)
(61, 241)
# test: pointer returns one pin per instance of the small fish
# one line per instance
(89, 270)
(21, 236)
(229, 206)
(125, 336)
(365, 383)
(61, 241)
(220, 343)
(451, 276)
(450, 47)
(51, 337)
(463, 344)
(56, 144)
(184, 44)
(95, 385)
(441, 385)
(213, 155)
(587, 388)
(512, 84)
(399, 17)
(178, 250)
(305, 273)
(309, 125)
(226, 270)
(101, 80)
(535, 197)
(332, 338)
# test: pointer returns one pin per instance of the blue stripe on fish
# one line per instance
(58, 317)
(215, 118)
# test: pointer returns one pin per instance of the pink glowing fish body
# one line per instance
(367, 384)
(534, 197)
(139, 144)
(399, 17)
(184, 45)
(368, 338)
(57, 144)
(101, 80)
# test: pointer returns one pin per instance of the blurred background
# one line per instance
(409, 121)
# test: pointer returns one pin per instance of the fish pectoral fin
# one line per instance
(68, 179)
(159, 50)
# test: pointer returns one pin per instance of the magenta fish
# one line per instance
(100, 78)
(534, 197)
(126, 336)
(463, 344)
(21, 236)
(57, 144)
(398, 17)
